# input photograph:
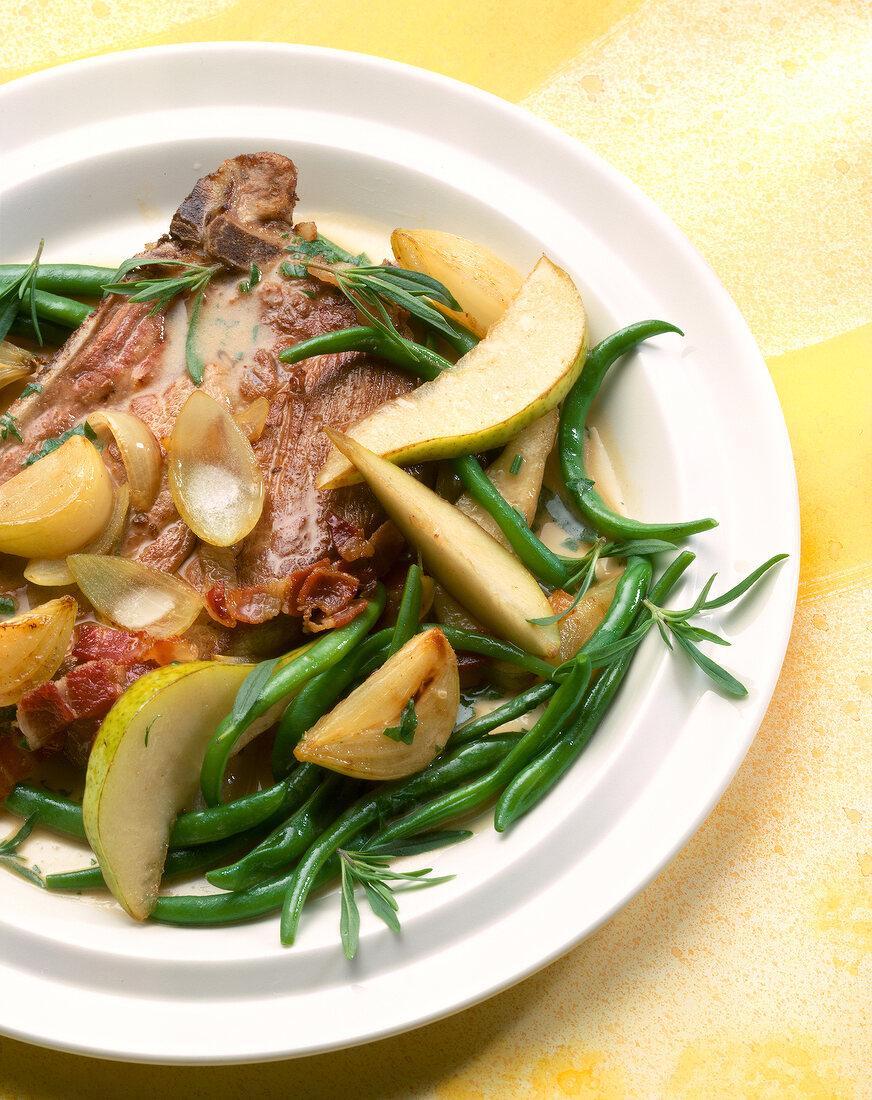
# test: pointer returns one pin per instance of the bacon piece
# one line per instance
(93, 641)
(88, 691)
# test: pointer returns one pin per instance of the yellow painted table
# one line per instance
(745, 968)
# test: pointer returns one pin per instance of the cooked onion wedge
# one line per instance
(481, 282)
(252, 419)
(140, 453)
(32, 646)
(58, 504)
(55, 573)
(215, 479)
(352, 738)
(135, 596)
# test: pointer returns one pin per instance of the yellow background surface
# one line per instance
(745, 968)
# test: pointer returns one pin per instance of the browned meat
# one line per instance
(126, 357)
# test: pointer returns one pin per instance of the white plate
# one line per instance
(699, 430)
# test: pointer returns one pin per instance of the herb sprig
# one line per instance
(374, 874)
(10, 858)
(12, 295)
(676, 626)
(190, 279)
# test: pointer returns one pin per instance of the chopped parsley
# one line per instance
(9, 427)
(405, 731)
(31, 388)
(50, 445)
(7, 605)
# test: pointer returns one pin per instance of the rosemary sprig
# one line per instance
(191, 279)
(374, 874)
(677, 626)
(12, 294)
(10, 858)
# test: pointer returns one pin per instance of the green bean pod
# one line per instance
(63, 312)
(631, 589)
(533, 782)
(218, 822)
(413, 357)
(84, 280)
(268, 896)
(323, 654)
(522, 703)
(409, 614)
(486, 646)
(287, 842)
(54, 811)
(570, 442)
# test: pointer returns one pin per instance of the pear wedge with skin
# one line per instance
(145, 765)
(524, 366)
(482, 575)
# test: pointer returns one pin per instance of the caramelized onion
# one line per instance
(58, 504)
(55, 573)
(215, 479)
(253, 418)
(362, 736)
(481, 282)
(140, 453)
(135, 596)
(32, 646)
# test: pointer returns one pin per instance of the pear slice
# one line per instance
(352, 738)
(517, 474)
(145, 765)
(521, 369)
(482, 575)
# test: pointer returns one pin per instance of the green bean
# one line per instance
(388, 799)
(631, 589)
(522, 703)
(64, 815)
(533, 782)
(63, 312)
(570, 441)
(218, 822)
(320, 693)
(541, 561)
(282, 682)
(67, 279)
(559, 710)
(416, 358)
(287, 842)
(55, 811)
(409, 614)
(483, 644)
(179, 861)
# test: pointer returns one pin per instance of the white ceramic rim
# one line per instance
(82, 978)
